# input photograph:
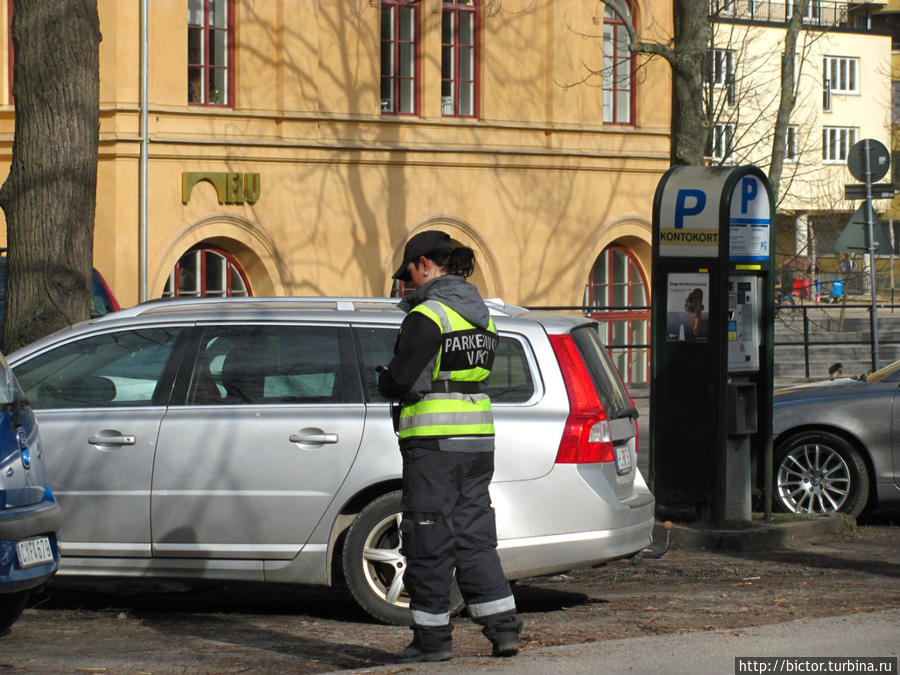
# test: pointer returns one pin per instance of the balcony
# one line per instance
(819, 14)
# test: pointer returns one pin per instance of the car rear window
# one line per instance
(511, 379)
(273, 364)
(606, 378)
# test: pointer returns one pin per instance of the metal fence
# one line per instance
(817, 331)
(821, 13)
(808, 329)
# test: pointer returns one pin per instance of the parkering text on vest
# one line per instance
(456, 405)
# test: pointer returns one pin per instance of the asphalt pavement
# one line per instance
(872, 634)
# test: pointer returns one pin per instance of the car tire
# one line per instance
(373, 565)
(11, 607)
(820, 472)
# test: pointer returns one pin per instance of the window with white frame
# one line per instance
(206, 272)
(840, 76)
(790, 144)
(836, 143)
(722, 7)
(812, 10)
(722, 145)
(399, 56)
(721, 67)
(618, 71)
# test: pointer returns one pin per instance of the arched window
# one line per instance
(206, 272)
(616, 285)
(618, 71)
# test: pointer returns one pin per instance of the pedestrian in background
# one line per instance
(835, 370)
(444, 352)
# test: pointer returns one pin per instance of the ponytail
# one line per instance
(461, 260)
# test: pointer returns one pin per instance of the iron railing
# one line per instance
(820, 13)
(808, 328)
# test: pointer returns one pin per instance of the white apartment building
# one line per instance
(842, 95)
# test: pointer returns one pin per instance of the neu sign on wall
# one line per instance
(231, 187)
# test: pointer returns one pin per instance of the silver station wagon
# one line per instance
(246, 439)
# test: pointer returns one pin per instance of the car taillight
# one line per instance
(636, 444)
(586, 438)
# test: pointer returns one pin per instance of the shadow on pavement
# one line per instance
(232, 631)
(168, 596)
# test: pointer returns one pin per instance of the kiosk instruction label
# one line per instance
(750, 220)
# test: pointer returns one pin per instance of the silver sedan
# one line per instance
(837, 444)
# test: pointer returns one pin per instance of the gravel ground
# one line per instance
(134, 626)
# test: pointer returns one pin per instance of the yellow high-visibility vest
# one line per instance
(466, 356)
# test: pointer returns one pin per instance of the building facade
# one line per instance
(887, 20)
(842, 95)
(293, 146)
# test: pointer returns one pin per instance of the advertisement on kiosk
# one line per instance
(713, 309)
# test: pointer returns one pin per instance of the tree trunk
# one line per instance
(49, 196)
(786, 102)
(687, 58)
(690, 127)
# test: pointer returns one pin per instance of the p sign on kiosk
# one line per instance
(712, 309)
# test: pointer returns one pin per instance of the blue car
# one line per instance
(29, 514)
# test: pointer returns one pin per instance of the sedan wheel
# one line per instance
(374, 565)
(820, 472)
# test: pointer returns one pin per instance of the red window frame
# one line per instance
(392, 44)
(206, 68)
(232, 267)
(612, 83)
(606, 297)
(452, 48)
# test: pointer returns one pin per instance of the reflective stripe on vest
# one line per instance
(454, 414)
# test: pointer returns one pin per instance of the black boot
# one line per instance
(505, 644)
(413, 653)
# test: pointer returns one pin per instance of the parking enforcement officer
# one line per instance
(444, 352)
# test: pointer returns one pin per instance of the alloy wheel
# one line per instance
(383, 563)
(813, 478)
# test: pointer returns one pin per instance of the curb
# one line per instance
(756, 535)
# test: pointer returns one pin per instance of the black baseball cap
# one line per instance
(427, 243)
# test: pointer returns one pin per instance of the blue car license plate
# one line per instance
(34, 551)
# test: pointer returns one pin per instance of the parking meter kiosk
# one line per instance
(712, 357)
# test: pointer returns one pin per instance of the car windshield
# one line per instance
(885, 373)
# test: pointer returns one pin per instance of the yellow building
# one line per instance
(293, 146)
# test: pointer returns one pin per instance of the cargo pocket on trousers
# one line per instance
(421, 535)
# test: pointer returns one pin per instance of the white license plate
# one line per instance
(623, 460)
(34, 552)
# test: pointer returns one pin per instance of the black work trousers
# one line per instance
(448, 524)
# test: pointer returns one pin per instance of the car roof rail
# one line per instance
(312, 302)
(496, 306)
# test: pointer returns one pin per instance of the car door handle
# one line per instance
(112, 439)
(311, 437)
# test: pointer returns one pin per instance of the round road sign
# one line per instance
(879, 160)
